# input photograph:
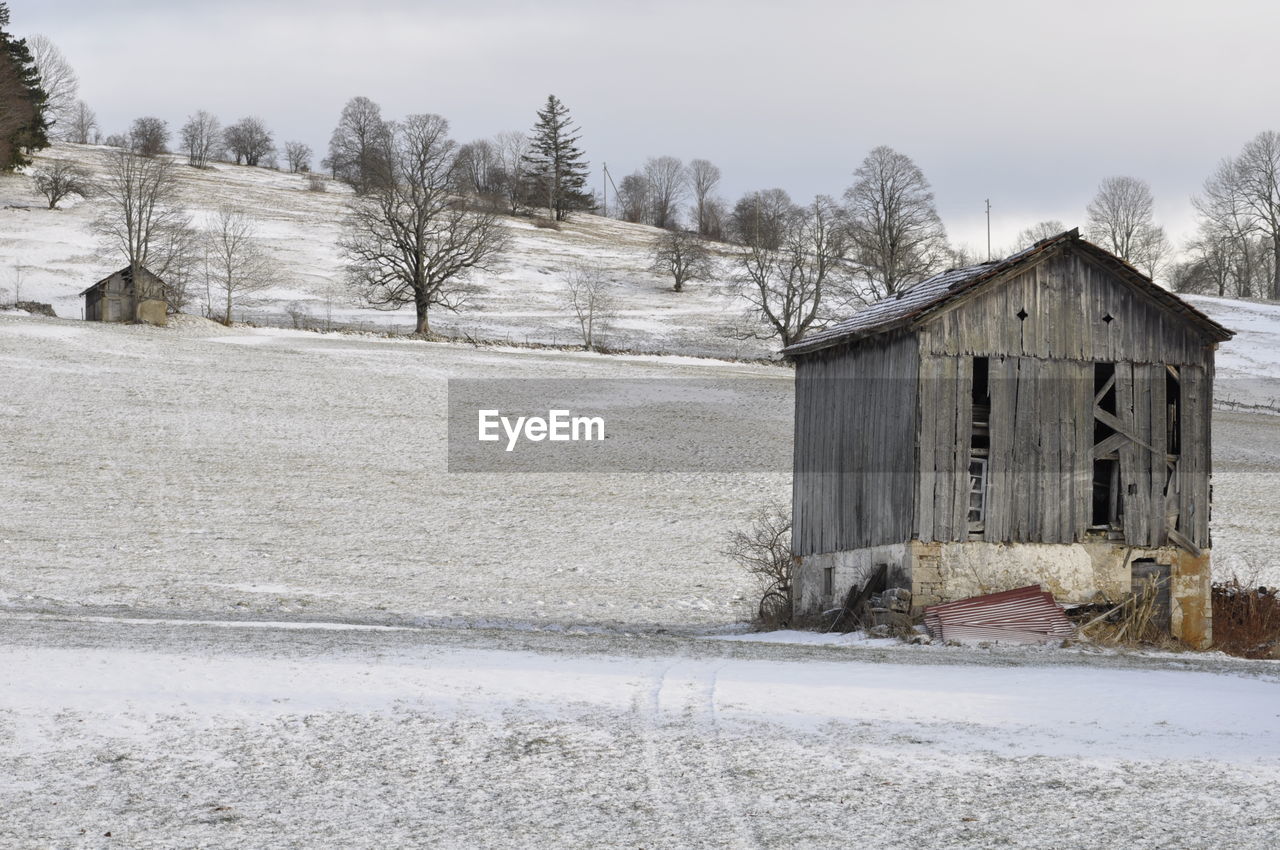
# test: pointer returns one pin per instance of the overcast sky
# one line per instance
(1029, 104)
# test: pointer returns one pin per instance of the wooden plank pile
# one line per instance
(1025, 615)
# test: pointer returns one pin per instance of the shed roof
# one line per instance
(924, 299)
(126, 273)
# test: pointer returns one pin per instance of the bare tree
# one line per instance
(512, 150)
(63, 179)
(682, 256)
(298, 155)
(760, 218)
(668, 181)
(358, 144)
(59, 82)
(1259, 165)
(478, 171)
(1119, 214)
(897, 237)
(1039, 231)
(149, 136)
(1225, 244)
(249, 141)
(202, 139)
(410, 240)
(142, 219)
(83, 124)
(716, 217)
(633, 199)
(1153, 251)
(236, 263)
(794, 286)
(589, 294)
(704, 179)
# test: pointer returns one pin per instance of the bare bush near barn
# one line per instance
(763, 549)
(1246, 619)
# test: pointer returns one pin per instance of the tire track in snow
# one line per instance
(719, 769)
(647, 710)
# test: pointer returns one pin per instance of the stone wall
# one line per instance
(1075, 573)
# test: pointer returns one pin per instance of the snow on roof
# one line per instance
(907, 305)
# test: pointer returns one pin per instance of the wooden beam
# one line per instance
(1116, 425)
(1183, 541)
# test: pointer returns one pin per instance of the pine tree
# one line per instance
(556, 167)
(23, 125)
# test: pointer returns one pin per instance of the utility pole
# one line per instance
(988, 230)
(604, 187)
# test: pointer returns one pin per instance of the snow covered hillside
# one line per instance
(523, 300)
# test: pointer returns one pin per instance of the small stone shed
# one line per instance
(119, 298)
(1039, 419)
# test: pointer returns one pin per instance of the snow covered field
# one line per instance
(281, 473)
(286, 473)
(121, 734)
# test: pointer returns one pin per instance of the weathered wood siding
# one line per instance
(1040, 460)
(1066, 299)
(854, 465)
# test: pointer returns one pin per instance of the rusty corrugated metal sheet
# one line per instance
(1024, 615)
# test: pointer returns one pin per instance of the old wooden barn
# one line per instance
(1040, 419)
(118, 298)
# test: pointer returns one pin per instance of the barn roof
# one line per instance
(922, 300)
(126, 273)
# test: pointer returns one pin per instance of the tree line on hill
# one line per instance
(425, 209)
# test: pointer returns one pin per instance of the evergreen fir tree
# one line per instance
(23, 125)
(556, 167)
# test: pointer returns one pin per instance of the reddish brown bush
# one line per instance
(1246, 620)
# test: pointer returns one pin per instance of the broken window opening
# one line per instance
(1108, 498)
(1173, 415)
(1106, 494)
(828, 581)
(979, 444)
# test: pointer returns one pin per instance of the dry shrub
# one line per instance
(764, 550)
(1246, 620)
(1130, 623)
(316, 182)
(546, 223)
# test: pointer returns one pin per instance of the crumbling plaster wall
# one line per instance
(1074, 573)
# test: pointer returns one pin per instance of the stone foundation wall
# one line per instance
(1074, 573)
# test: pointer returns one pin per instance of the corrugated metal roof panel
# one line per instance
(1023, 615)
